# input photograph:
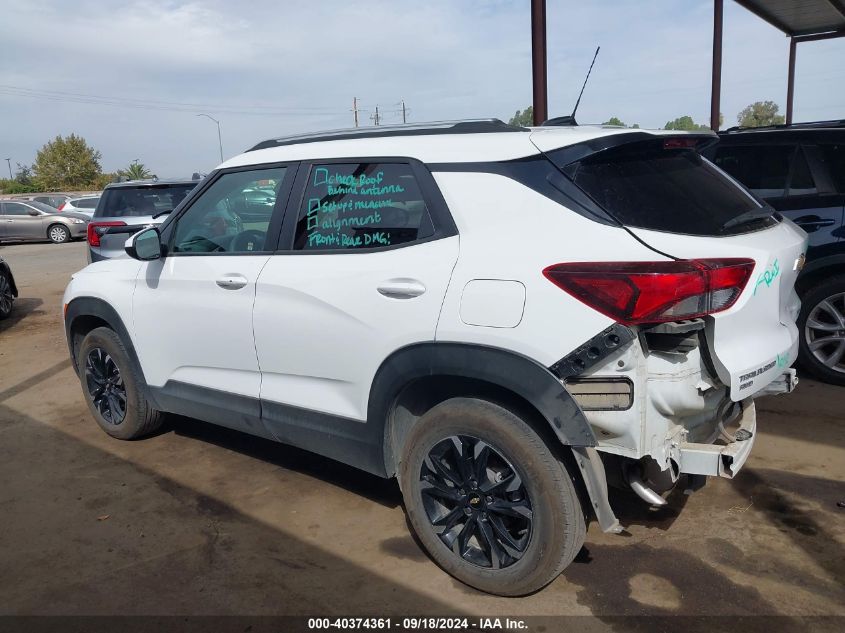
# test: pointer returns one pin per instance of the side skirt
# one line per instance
(348, 441)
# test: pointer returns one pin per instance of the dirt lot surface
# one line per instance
(201, 520)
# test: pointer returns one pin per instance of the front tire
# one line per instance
(112, 388)
(821, 326)
(488, 499)
(58, 234)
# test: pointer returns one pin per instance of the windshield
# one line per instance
(146, 200)
(655, 185)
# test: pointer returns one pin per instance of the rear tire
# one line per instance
(7, 297)
(509, 500)
(58, 234)
(821, 327)
(112, 388)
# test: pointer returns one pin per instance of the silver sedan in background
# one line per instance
(29, 220)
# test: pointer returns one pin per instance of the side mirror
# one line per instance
(144, 245)
(33, 213)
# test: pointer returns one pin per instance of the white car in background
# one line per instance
(506, 319)
(85, 205)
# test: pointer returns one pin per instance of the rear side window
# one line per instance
(647, 185)
(801, 182)
(764, 169)
(120, 202)
(354, 206)
(834, 158)
(86, 203)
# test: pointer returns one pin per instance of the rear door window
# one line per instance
(658, 185)
(764, 169)
(355, 206)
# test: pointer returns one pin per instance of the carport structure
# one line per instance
(800, 20)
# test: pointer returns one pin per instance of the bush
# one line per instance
(12, 186)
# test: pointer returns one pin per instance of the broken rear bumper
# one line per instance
(726, 459)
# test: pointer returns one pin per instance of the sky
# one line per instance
(132, 76)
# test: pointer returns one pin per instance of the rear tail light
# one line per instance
(62, 206)
(97, 229)
(654, 292)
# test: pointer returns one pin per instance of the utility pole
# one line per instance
(355, 110)
(716, 76)
(404, 118)
(219, 138)
(538, 61)
(375, 117)
(9, 162)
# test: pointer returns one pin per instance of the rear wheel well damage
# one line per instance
(564, 429)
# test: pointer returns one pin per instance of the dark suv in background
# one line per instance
(127, 207)
(799, 170)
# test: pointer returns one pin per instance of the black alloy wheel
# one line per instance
(105, 386)
(476, 502)
(7, 297)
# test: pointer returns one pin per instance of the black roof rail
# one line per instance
(472, 126)
(792, 126)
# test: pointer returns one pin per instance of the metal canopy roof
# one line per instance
(800, 17)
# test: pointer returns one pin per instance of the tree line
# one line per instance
(757, 114)
(71, 164)
(68, 164)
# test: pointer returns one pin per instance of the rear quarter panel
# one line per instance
(510, 232)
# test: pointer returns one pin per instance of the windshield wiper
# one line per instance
(161, 213)
(748, 217)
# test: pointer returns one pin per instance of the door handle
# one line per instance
(232, 282)
(401, 288)
(813, 221)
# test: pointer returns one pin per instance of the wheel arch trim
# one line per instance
(503, 368)
(81, 307)
(816, 268)
(511, 371)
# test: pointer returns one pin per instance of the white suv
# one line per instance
(506, 319)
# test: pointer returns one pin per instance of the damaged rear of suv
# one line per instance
(711, 325)
(508, 320)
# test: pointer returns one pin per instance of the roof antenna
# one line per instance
(570, 119)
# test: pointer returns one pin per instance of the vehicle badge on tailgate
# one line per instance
(799, 263)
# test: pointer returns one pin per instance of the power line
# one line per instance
(169, 106)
